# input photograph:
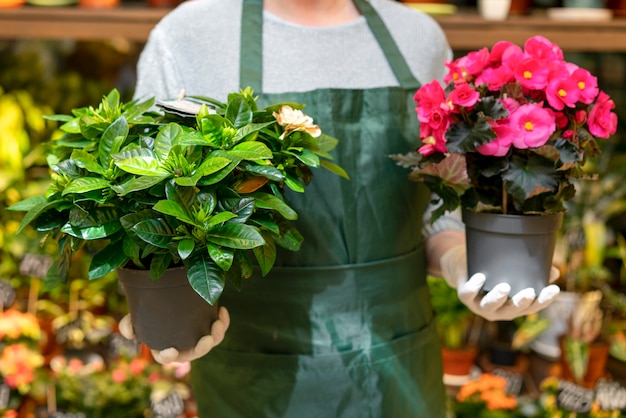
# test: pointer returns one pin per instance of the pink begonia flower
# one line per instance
(569, 134)
(429, 97)
(580, 116)
(463, 95)
(501, 144)
(137, 365)
(533, 125)
(532, 74)
(602, 122)
(455, 73)
(588, 85)
(561, 120)
(475, 61)
(510, 104)
(433, 144)
(500, 50)
(542, 49)
(495, 77)
(562, 92)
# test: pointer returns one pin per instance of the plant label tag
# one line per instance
(35, 265)
(611, 395)
(62, 335)
(7, 294)
(169, 407)
(5, 393)
(120, 346)
(574, 398)
(514, 381)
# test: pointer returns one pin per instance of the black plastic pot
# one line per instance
(166, 312)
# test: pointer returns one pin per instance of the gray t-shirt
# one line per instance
(196, 48)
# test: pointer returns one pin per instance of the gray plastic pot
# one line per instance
(516, 249)
(166, 312)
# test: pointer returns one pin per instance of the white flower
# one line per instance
(294, 120)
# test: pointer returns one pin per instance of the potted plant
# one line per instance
(503, 140)
(192, 192)
(453, 320)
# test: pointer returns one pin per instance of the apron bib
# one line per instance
(344, 327)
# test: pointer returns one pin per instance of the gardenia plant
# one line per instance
(152, 190)
(509, 130)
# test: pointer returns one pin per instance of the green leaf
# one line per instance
(185, 248)
(211, 165)
(87, 161)
(106, 261)
(140, 161)
(112, 140)
(307, 157)
(251, 151)
(267, 171)
(289, 238)
(246, 130)
(165, 139)
(92, 232)
(160, 262)
(239, 236)
(223, 257)
(172, 208)
(463, 138)
(136, 184)
(220, 218)
(334, 168)
(294, 183)
(27, 204)
(268, 201)
(156, 232)
(238, 112)
(85, 184)
(206, 278)
(528, 178)
(266, 255)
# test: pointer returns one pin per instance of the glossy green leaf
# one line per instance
(267, 171)
(266, 255)
(165, 140)
(172, 208)
(156, 232)
(239, 112)
(334, 168)
(112, 140)
(106, 261)
(160, 262)
(140, 161)
(223, 257)
(136, 184)
(220, 218)
(206, 278)
(185, 248)
(92, 232)
(239, 236)
(251, 151)
(85, 184)
(87, 161)
(28, 203)
(294, 183)
(268, 201)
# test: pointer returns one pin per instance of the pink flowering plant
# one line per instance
(509, 130)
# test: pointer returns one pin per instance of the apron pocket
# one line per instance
(386, 380)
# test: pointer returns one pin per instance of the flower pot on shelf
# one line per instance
(166, 312)
(458, 362)
(596, 364)
(516, 249)
(494, 9)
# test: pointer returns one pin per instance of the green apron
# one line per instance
(344, 327)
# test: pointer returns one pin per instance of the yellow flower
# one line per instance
(294, 120)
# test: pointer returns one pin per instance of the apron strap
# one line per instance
(251, 50)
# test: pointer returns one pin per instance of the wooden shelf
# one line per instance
(465, 31)
(132, 23)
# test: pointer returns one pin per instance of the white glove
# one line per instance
(496, 305)
(172, 355)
